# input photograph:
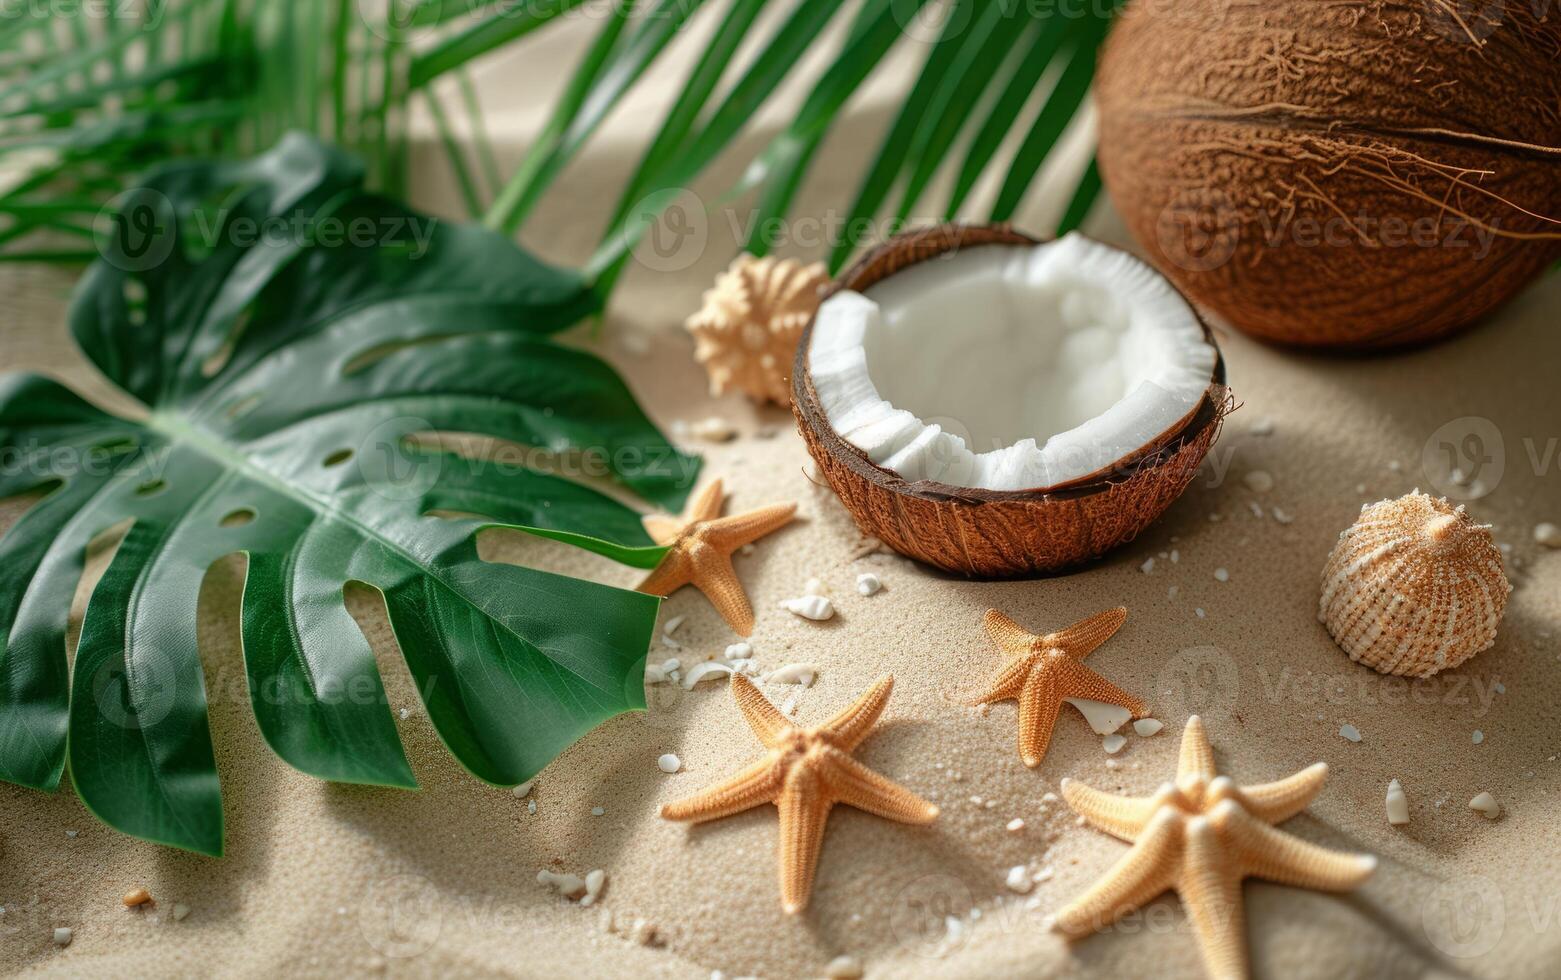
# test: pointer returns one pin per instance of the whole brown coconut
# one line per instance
(1360, 173)
(996, 533)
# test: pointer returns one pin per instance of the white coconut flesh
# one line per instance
(1010, 367)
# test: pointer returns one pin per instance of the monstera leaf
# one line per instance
(291, 336)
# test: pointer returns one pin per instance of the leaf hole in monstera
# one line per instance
(242, 406)
(372, 355)
(218, 359)
(114, 447)
(135, 301)
(237, 518)
(514, 662)
(151, 488)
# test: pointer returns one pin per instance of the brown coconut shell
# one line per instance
(997, 532)
(1353, 174)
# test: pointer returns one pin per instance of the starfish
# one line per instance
(701, 554)
(1047, 670)
(805, 773)
(1201, 836)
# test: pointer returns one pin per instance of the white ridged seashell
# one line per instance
(746, 333)
(1413, 587)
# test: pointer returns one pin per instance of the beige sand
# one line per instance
(323, 879)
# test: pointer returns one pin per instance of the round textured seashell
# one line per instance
(746, 333)
(1413, 587)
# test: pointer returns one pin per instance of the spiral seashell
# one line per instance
(747, 331)
(1413, 587)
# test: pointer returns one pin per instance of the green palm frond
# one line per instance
(91, 95)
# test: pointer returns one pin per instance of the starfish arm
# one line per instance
(1282, 799)
(1124, 817)
(803, 812)
(763, 717)
(1080, 639)
(706, 504)
(714, 575)
(1197, 756)
(1039, 703)
(1007, 634)
(727, 533)
(1145, 871)
(1210, 888)
(1074, 680)
(847, 729)
(1008, 682)
(671, 574)
(662, 528)
(759, 783)
(1272, 854)
(852, 783)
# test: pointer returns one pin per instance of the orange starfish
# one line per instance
(702, 545)
(1047, 670)
(805, 773)
(1201, 836)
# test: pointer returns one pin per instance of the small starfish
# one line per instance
(701, 555)
(1047, 670)
(1201, 836)
(805, 773)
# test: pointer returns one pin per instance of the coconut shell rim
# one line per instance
(914, 247)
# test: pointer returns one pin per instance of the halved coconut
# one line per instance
(995, 405)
